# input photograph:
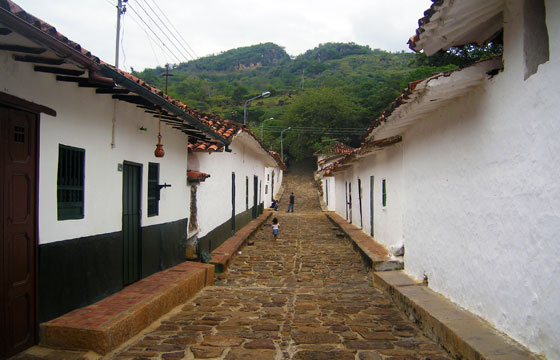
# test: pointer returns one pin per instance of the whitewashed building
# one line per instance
(325, 160)
(87, 207)
(238, 184)
(471, 187)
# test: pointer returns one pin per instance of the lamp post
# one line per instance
(262, 127)
(263, 95)
(282, 143)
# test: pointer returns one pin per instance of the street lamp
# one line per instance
(282, 143)
(263, 95)
(262, 127)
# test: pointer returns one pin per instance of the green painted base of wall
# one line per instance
(78, 272)
(216, 237)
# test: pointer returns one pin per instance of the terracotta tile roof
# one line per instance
(279, 161)
(51, 38)
(46, 34)
(450, 23)
(194, 175)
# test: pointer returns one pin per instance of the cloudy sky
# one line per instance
(212, 26)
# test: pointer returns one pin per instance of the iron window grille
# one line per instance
(70, 183)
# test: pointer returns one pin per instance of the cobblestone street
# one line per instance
(306, 296)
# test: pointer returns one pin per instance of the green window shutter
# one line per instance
(70, 183)
(153, 189)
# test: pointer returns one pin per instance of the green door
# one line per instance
(132, 213)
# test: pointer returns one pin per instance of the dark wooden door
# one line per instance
(350, 202)
(132, 183)
(371, 208)
(255, 196)
(232, 202)
(360, 202)
(18, 239)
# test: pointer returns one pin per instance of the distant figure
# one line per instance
(291, 204)
(274, 205)
(275, 228)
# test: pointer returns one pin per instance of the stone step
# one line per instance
(460, 332)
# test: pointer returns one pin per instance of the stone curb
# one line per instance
(460, 332)
(105, 325)
(377, 253)
(224, 254)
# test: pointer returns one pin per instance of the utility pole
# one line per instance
(167, 75)
(121, 9)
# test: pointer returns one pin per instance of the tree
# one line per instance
(325, 108)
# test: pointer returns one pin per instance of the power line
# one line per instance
(177, 31)
(167, 28)
(162, 31)
(153, 32)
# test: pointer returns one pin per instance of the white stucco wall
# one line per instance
(482, 196)
(84, 120)
(329, 192)
(214, 194)
(271, 174)
(387, 220)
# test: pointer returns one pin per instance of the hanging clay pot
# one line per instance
(159, 152)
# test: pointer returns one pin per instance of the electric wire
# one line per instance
(168, 30)
(186, 58)
(174, 28)
(153, 32)
(151, 41)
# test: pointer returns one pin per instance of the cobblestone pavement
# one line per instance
(306, 296)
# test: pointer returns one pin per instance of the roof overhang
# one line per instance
(457, 22)
(431, 94)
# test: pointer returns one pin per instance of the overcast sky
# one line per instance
(212, 26)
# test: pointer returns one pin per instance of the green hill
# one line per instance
(363, 81)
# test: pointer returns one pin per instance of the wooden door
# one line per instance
(371, 203)
(18, 235)
(350, 202)
(255, 196)
(232, 202)
(360, 201)
(131, 222)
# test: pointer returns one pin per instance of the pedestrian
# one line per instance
(291, 204)
(275, 228)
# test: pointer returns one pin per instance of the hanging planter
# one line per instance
(159, 152)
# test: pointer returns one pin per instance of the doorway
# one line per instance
(18, 230)
(255, 196)
(131, 222)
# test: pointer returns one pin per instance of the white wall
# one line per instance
(214, 194)
(383, 165)
(482, 196)
(329, 189)
(84, 120)
(268, 194)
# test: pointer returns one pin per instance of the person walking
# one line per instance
(275, 228)
(291, 204)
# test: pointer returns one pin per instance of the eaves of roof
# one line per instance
(450, 23)
(42, 33)
(426, 95)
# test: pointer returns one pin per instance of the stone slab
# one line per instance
(377, 253)
(103, 326)
(222, 256)
(460, 332)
